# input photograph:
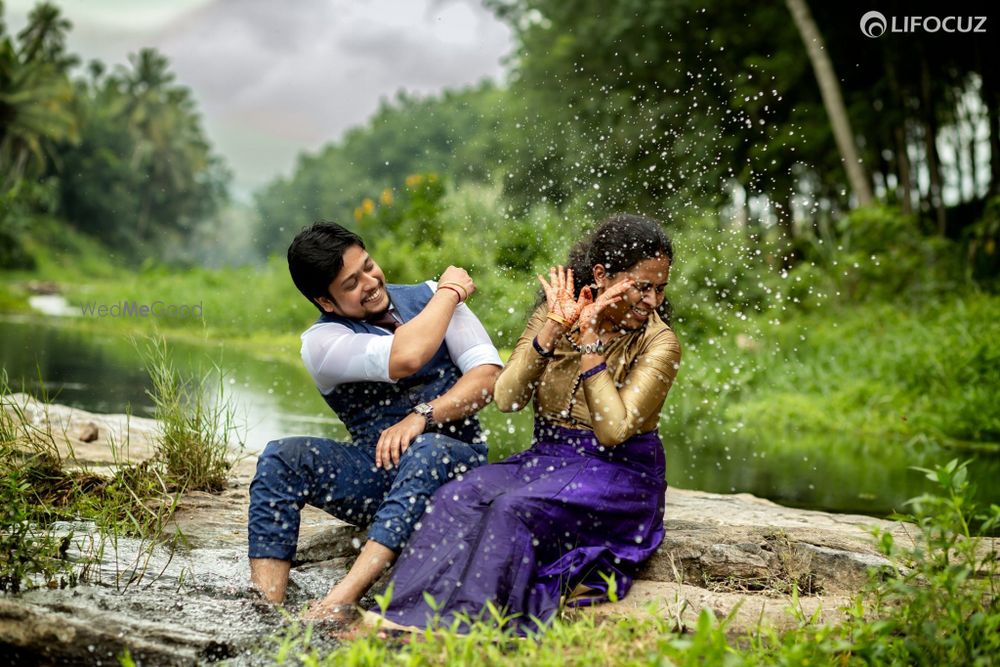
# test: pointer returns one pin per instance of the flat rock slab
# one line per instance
(739, 542)
(682, 604)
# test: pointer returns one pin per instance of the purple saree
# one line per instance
(526, 531)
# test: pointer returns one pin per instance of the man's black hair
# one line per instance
(316, 256)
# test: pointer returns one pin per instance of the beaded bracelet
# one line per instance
(540, 350)
(594, 371)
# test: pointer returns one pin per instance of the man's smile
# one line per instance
(373, 297)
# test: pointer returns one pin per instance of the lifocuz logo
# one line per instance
(874, 24)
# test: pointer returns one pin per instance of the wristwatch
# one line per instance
(592, 348)
(425, 410)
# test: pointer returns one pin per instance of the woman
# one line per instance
(579, 510)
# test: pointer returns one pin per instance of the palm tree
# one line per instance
(35, 95)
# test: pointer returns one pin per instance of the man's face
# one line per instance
(358, 291)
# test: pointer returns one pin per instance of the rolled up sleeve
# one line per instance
(333, 355)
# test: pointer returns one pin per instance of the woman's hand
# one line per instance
(559, 295)
(591, 309)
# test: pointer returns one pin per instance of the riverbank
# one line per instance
(737, 556)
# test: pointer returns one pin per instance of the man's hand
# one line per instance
(396, 439)
(459, 276)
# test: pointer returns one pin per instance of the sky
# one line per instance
(275, 78)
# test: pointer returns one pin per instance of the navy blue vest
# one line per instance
(368, 408)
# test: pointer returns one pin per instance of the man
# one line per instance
(405, 367)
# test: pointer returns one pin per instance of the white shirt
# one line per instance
(334, 354)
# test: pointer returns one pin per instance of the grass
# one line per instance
(196, 420)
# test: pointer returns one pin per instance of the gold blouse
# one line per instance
(615, 404)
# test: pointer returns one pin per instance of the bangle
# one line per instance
(540, 350)
(594, 371)
(453, 285)
(449, 287)
(559, 320)
(592, 348)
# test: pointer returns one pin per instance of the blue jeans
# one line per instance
(341, 479)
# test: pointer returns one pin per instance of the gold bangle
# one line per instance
(459, 286)
(559, 320)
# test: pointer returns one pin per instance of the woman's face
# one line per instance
(649, 278)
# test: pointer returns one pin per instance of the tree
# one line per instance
(35, 95)
(144, 172)
(832, 100)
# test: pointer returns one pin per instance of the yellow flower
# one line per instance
(368, 206)
(414, 180)
(358, 213)
(386, 197)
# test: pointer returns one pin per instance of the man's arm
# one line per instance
(416, 341)
(467, 396)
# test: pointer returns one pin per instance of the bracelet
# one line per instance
(594, 371)
(540, 350)
(592, 348)
(559, 320)
(449, 287)
(454, 285)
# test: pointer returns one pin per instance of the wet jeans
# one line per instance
(341, 479)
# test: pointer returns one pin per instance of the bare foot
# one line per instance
(340, 613)
(349, 633)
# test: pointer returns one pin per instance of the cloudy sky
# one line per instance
(274, 78)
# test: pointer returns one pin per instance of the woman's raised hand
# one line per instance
(559, 295)
(591, 308)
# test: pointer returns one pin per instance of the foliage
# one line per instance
(28, 552)
(48, 491)
(143, 172)
(35, 95)
(17, 209)
(983, 238)
(457, 133)
(944, 608)
(664, 106)
(124, 153)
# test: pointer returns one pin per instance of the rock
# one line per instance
(44, 287)
(83, 634)
(87, 432)
(763, 546)
(119, 437)
(683, 603)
